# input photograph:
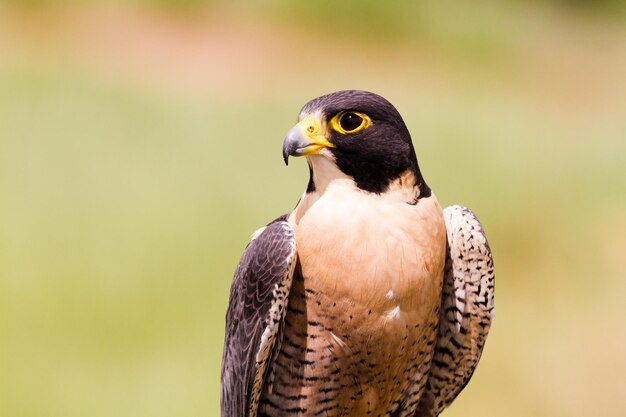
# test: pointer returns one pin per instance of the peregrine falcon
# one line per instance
(367, 299)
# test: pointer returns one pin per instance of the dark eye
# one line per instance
(350, 121)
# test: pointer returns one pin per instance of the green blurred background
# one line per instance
(140, 146)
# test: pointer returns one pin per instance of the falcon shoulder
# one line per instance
(466, 313)
(256, 310)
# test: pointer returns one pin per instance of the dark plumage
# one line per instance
(258, 298)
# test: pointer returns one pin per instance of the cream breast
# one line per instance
(362, 246)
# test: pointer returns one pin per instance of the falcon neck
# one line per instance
(322, 173)
(326, 176)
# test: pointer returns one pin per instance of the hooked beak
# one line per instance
(305, 138)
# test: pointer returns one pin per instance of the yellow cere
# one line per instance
(311, 126)
(313, 130)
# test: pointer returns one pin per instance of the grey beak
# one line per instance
(294, 142)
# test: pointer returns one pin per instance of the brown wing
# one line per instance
(467, 311)
(256, 310)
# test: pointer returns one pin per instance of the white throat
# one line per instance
(331, 183)
(326, 172)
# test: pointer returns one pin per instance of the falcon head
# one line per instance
(355, 134)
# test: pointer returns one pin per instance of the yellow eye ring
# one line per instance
(349, 122)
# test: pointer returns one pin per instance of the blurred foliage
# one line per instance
(404, 5)
(364, 16)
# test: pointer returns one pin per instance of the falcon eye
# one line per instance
(350, 122)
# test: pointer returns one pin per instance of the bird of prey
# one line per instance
(367, 299)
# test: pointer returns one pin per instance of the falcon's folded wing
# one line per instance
(467, 310)
(258, 299)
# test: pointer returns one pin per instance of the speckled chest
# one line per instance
(363, 309)
(332, 361)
